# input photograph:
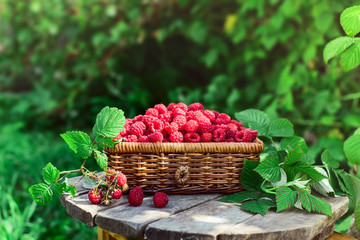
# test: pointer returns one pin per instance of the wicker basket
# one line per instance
(183, 168)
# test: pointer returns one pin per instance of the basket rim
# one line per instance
(184, 147)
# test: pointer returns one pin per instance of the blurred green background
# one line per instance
(62, 61)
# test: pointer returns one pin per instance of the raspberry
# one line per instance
(130, 138)
(191, 126)
(216, 113)
(176, 137)
(137, 129)
(229, 140)
(171, 127)
(160, 200)
(110, 174)
(198, 116)
(136, 196)
(116, 194)
(239, 135)
(206, 137)
(128, 122)
(225, 118)
(148, 119)
(209, 114)
(138, 118)
(205, 127)
(219, 135)
(118, 137)
(152, 112)
(171, 106)
(221, 126)
(95, 196)
(254, 134)
(195, 106)
(248, 137)
(121, 179)
(143, 139)
(156, 137)
(161, 108)
(192, 137)
(177, 112)
(181, 121)
(156, 125)
(166, 117)
(123, 133)
(231, 130)
(182, 106)
(238, 124)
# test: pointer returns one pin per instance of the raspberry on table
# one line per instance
(116, 194)
(160, 200)
(95, 196)
(180, 121)
(130, 138)
(192, 137)
(121, 179)
(137, 129)
(161, 108)
(206, 137)
(110, 174)
(176, 137)
(191, 126)
(219, 135)
(156, 137)
(136, 196)
(195, 106)
(152, 112)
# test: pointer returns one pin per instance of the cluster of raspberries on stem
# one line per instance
(182, 123)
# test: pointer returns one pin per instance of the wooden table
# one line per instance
(199, 217)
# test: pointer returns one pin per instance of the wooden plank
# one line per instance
(132, 221)
(79, 189)
(204, 222)
(289, 225)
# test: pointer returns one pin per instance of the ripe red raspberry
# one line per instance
(137, 129)
(110, 174)
(209, 114)
(143, 139)
(171, 106)
(95, 196)
(216, 113)
(231, 130)
(182, 106)
(206, 137)
(219, 135)
(205, 127)
(128, 122)
(130, 138)
(118, 137)
(191, 126)
(238, 124)
(192, 137)
(166, 117)
(177, 112)
(222, 118)
(156, 137)
(152, 112)
(195, 106)
(181, 121)
(138, 118)
(198, 116)
(160, 200)
(229, 140)
(239, 135)
(156, 125)
(254, 134)
(161, 108)
(171, 127)
(176, 137)
(221, 126)
(121, 179)
(116, 194)
(123, 132)
(136, 196)
(247, 136)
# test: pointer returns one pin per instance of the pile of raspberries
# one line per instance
(182, 123)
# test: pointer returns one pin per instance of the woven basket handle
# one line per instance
(182, 174)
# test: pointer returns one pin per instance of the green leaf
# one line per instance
(352, 149)
(71, 189)
(323, 187)
(293, 156)
(109, 122)
(79, 142)
(298, 183)
(283, 179)
(328, 159)
(336, 47)
(60, 187)
(350, 58)
(250, 179)
(255, 119)
(101, 159)
(357, 215)
(292, 143)
(314, 204)
(50, 174)
(89, 183)
(269, 169)
(106, 141)
(350, 20)
(281, 128)
(240, 197)
(261, 206)
(41, 194)
(357, 131)
(285, 198)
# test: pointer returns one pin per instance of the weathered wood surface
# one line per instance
(200, 217)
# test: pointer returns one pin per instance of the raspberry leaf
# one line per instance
(328, 159)
(261, 206)
(240, 197)
(285, 198)
(79, 142)
(293, 142)
(350, 58)
(314, 204)
(106, 141)
(300, 166)
(71, 189)
(63, 187)
(352, 150)
(254, 119)
(281, 128)
(250, 179)
(270, 169)
(101, 159)
(357, 215)
(89, 183)
(283, 179)
(109, 122)
(336, 47)
(41, 194)
(50, 174)
(350, 20)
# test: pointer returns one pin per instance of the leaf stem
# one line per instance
(71, 171)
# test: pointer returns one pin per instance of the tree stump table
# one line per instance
(199, 217)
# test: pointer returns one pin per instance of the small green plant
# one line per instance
(109, 122)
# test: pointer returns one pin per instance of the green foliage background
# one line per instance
(62, 61)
